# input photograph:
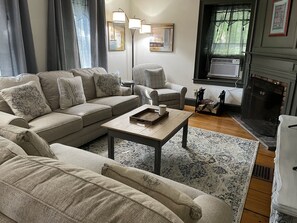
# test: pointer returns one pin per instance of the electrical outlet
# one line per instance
(195, 91)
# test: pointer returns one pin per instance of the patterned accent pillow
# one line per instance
(26, 101)
(155, 78)
(71, 91)
(178, 202)
(107, 85)
(28, 140)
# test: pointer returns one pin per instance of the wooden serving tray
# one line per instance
(148, 116)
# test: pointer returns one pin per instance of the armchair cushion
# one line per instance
(107, 85)
(168, 95)
(155, 78)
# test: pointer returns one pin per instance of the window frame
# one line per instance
(200, 58)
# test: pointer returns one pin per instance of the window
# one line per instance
(223, 32)
(82, 26)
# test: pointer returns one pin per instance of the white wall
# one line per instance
(38, 17)
(178, 65)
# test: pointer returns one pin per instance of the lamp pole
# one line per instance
(132, 34)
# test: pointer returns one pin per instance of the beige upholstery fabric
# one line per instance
(56, 125)
(87, 75)
(28, 140)
(7, 82)
(6, 119)
(49, 85)
(79, 157)
(181, 204)
(26, 100)
(107, 85)
(8, 150)
(5, 219)
(71, 91)
(138, 72)
(62, 193)
(168, 95)
(90, 113)
(155, 78)
(119, 104)
(214, 210)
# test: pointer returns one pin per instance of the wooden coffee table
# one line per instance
(151, 135)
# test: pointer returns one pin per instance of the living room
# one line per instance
(268, 57)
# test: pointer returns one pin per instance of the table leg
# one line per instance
(185, 135)
(110, 146)
(157, 169)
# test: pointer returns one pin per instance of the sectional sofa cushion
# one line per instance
(87, 75)
(155, 78)
(71, 91)
(119, 104)
(28, 140)
(90, 113)
(107, 85)
(48, 81)
(26, 100)
(56, 125)
(181, 204)
(57, 192)
(7, 82)
(8, 150)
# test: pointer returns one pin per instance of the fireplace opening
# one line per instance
(264, 100)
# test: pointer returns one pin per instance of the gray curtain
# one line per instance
(63, 49)
(18, 54)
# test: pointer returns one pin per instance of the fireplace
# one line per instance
(264, 102)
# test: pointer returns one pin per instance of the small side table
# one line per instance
(129, 84)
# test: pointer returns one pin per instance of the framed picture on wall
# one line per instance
(280, 17)
(116, 36)
(162, 37)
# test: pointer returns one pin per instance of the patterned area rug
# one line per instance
(215, 163)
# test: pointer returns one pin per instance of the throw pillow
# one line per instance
(28, 140)
(8, 150)
(71, 91)
(178, 202)
(155, 78)
(107, 85)
(26, 101)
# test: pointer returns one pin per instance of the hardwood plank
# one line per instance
(252, 217)
(261, 186)
(258, 202)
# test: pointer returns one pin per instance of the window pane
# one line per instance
(82, 25)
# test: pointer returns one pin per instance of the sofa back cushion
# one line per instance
(7, 82)
(87, 75)
(37, 189)
(49, 86)
(8, 150)
(28, 140)
(107, 85)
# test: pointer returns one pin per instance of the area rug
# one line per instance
(215, 163)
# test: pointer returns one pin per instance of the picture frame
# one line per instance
(116, 36)
(162, 37)
(280, 17)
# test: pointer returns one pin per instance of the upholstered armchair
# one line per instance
(152, 88)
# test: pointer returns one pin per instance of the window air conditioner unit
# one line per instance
(224, 68)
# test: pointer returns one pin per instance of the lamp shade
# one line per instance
(118, 17)
(145, 28)
(134, 23)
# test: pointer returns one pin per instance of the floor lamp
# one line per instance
(134, 24)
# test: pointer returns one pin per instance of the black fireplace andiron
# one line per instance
(207, 105)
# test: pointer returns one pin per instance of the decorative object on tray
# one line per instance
(148, 116)
(207, 105)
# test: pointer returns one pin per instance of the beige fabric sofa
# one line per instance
(72, 189)
(76, 125)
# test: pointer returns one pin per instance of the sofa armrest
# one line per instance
(126, 91)
(147, 95)
(214, 210)
(181, 89)
(9, 119)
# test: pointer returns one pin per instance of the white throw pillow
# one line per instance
(107, 85)
(26, 101)
(71, 91)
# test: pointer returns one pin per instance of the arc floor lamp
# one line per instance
(134, 24)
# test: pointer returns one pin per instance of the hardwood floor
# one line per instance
(257, 205)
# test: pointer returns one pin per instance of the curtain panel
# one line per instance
(16, 39)
(70, 43)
